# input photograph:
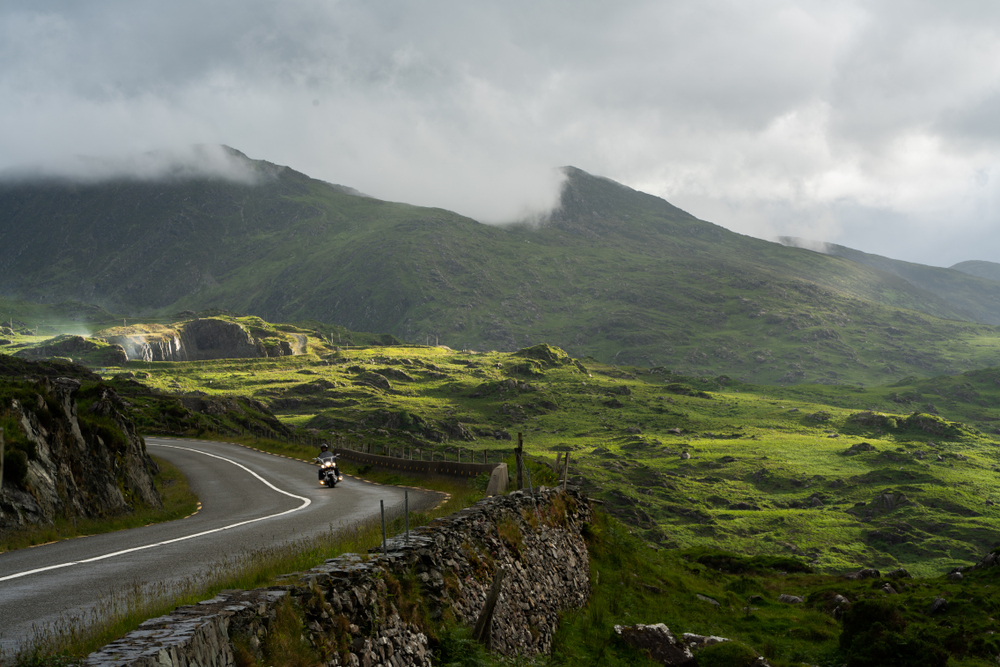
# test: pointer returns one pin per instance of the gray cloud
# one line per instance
(187, 162)
(864, 124)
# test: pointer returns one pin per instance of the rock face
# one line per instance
(198, 340)
(361, 611)
(78, 465)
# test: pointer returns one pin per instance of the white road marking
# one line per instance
(305, 503)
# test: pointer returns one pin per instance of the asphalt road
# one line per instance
(249, 500)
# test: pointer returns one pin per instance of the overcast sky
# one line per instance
(875, 125)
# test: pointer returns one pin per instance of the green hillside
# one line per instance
(615, 274)
(988, 270)
(970, 287)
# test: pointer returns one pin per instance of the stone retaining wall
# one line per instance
(372, 609)
(193, 635)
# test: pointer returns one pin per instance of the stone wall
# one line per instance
(375, 609)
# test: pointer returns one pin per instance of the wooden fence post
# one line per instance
(566, 472)
(520, 464)
(483, 632)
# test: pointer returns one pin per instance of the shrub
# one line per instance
(727, 654)
(875, 634)
(686, 390)
(15, 468)
(510, 532)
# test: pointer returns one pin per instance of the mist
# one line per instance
(177, 164)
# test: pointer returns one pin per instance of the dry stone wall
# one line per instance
(373, 609)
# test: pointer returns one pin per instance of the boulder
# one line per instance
(859, 448)
(938, 606)
(373, 379)
(658, 641)
(696, 642)
(865, 573)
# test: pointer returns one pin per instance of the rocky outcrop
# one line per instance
(197, 340)
(77, 462)
(218, 339)
(658, 641)
(368, 610)
(79, 349)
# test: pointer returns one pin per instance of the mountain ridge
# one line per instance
(972, 292)
(612, 273)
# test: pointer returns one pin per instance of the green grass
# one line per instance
(634, 583)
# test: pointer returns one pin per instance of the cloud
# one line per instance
(189, 162)
(855, 123)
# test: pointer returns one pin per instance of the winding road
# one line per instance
(249, 499)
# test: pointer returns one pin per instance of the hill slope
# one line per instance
(988, 270)
(969, 287)
(615, 274)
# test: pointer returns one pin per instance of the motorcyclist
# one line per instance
(324, 454)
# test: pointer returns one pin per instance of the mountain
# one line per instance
(971, 288)
(988, 270)
(613, 273)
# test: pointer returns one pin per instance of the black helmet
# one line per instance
(324, 447)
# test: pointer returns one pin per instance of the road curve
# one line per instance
(249, 499)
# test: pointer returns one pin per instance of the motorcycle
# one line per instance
(329, 473)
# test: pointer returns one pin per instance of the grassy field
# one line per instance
(839, 477)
